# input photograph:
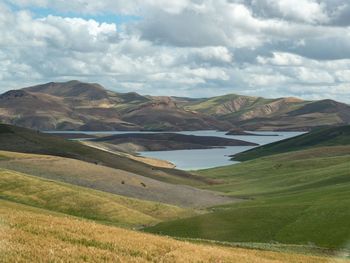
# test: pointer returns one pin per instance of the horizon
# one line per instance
(187, 48)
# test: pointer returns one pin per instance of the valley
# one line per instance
(191, 131)
(251, 196)
(299, 197)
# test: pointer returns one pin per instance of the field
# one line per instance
(294, 198)
(34, 235)
(84, 202)
(108, 180)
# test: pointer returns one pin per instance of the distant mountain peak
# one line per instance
(11, 94)
(73, 88)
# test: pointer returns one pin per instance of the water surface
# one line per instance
(203, 158)
(208, 158)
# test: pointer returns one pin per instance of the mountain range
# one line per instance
(75, 105)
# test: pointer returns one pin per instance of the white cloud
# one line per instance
(186, 47)
(309, 11)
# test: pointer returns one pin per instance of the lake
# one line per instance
(207, 158)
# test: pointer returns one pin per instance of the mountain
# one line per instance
(256, 113)
(75, 105)
(331, 136)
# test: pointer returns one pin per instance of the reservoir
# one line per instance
(204, 158)
(209, 158)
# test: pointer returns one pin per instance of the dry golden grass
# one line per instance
(32, 235)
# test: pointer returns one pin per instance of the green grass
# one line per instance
(294, 198)
(84, 202)
(334, 136)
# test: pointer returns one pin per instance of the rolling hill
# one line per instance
(23, 140)
(300, 197)
(106, 179)
(32, 234)
(75, 105)
(333, 136)
(83, 202)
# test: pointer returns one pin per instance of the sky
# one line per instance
(196, 48)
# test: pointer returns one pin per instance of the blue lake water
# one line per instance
(207, 158)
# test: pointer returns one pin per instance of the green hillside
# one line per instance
(83, 202)
(319, 137)
(295, 198)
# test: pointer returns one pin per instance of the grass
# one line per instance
(32, 235)
(109, 180)
(83, 202)
(294, 198)
(334, 136)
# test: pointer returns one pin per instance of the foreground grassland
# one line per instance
(294, 198)
(33, 235)
(84, 202)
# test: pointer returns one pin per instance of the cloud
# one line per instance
(309, 11)
(187, 47)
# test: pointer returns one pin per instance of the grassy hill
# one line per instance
(33, 235)
(18, 139)
(332, 136)
(83, 202)
(300, 197)
(109, 180)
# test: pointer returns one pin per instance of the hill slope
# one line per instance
(109, 180)
(319, 137)
(300, 197)
(30, 234)
(83, 202)
(18, 139)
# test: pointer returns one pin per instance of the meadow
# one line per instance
(34, 235)
(301, 197)
(84, 202)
